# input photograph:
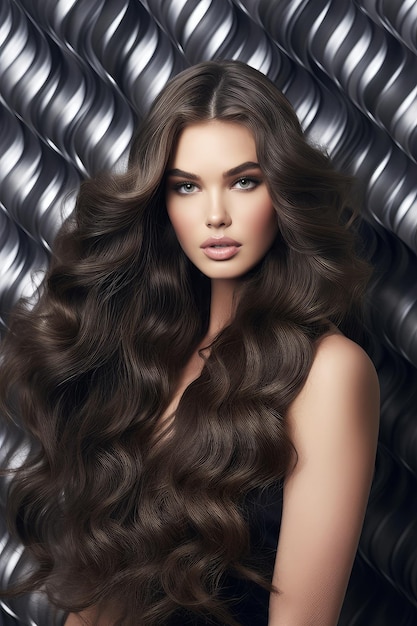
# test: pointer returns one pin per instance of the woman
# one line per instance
(186, 377)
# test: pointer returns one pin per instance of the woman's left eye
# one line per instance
(246, 183)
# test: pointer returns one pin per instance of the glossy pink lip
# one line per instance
(220, 241)
(220, 248)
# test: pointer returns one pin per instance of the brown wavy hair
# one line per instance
(112, 514)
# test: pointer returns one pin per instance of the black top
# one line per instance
(248, 602)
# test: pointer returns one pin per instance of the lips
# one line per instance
(220, 248)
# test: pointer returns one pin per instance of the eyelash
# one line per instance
(179, 187)
(250, 179)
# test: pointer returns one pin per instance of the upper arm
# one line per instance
(334, 425)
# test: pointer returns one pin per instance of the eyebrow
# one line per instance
(243, 167)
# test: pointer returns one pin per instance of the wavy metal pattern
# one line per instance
(399, 18)
(75, 75)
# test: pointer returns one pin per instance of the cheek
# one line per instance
(264, 224)
(182, 225)
(174, 216)
(175, 223)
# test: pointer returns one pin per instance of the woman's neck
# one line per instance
(222, 305)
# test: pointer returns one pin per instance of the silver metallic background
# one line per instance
(75, 75)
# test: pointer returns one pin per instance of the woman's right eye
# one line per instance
(185, 188)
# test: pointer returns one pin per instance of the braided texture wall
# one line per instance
(75, 75)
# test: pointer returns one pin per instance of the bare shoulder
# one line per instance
(340, 366)
(341, 388)
(341, 361)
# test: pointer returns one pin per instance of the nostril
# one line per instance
(213, 224)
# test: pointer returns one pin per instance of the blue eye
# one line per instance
(246, 183)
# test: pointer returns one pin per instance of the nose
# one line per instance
(217, 214)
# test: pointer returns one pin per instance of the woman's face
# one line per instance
(217, 199)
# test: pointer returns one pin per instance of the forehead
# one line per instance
(215, 142)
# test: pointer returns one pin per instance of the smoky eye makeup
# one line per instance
(246, 183)
(187, 183)
(184, 188)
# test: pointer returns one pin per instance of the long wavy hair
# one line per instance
(114, 513)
